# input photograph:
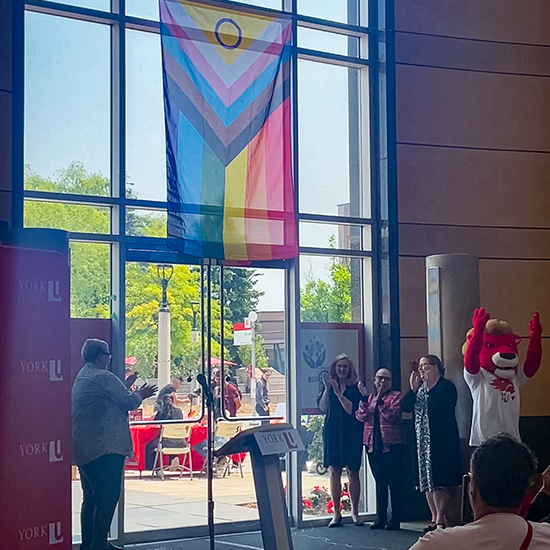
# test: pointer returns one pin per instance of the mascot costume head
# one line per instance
(499, 352)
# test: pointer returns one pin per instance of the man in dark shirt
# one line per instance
(262, 394)
(168, 394)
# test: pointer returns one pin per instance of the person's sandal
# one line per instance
(441, 526)
(432, 526)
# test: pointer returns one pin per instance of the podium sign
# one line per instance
(275, 443)
(35, 400)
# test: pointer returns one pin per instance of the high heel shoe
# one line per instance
(335, 522)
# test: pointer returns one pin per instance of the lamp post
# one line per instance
(251, 319)
(164, 273)
(194, 328)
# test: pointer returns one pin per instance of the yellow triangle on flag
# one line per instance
(230, 32)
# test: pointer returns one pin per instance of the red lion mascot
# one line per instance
(494, 375)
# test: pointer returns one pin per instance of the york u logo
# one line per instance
(53, 288)
(33, 451)
(53, 367)
(52, 532)
(56, 374)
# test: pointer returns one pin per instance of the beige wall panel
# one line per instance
(411, 350)
(438, 51)
(472, 109)
(5, 141)
(535, 394)
(5, 46)
(412, 297)
(484, 242)
(5, 206)
(524, 22)
(473, 187)
(513, 290)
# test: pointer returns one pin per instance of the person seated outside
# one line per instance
(539, 510)
(501, 469)
(166, 406)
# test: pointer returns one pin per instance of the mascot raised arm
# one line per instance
(494, 375)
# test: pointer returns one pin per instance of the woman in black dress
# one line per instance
(433, 400)
(342, 434)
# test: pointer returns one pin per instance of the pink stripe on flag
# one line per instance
(273, 221)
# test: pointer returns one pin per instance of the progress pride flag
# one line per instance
(35, 400)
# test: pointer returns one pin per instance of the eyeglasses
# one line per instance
(426, 365)
(105, 353)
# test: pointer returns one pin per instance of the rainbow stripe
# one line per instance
(228, 132)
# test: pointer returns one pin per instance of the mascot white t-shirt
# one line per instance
(495, 404)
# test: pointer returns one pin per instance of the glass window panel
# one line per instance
(67, 96)
(145, 138)
(149, 9)
(76, 218)
(341, 236)
(273, 4)
(145, 223)
(103, 5)
(146, 9)
(332, 10)
(90, 279)
(329, 175)
(325, 41)
(330, 289)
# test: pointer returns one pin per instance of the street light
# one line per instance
(251, 320)
(164, 273)
(194, 329)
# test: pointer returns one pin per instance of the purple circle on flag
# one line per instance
(218, 37)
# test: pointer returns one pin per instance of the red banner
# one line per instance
(35, 400)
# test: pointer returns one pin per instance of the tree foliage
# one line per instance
(90, 276)
(328, 301)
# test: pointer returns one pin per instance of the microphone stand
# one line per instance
(207, 393)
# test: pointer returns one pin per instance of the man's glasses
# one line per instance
(105, 353)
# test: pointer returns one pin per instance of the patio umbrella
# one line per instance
(218, 361)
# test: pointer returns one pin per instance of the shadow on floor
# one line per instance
(319, 538)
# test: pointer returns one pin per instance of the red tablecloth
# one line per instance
(142, 434)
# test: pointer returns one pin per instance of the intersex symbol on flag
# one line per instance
(228, 131)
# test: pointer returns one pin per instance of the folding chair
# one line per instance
(227, 430)
(179, 432)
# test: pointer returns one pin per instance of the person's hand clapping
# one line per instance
(129, 381)
(362, 389)
(147, 391)
(414, 381)
(335, 386)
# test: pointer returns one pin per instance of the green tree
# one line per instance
(90, 274)
(328, 302)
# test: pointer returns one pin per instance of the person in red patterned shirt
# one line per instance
(384, 441)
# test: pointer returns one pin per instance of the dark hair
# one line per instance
(92, 349)
(502, 468)
(177, 378)
(435, 360)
